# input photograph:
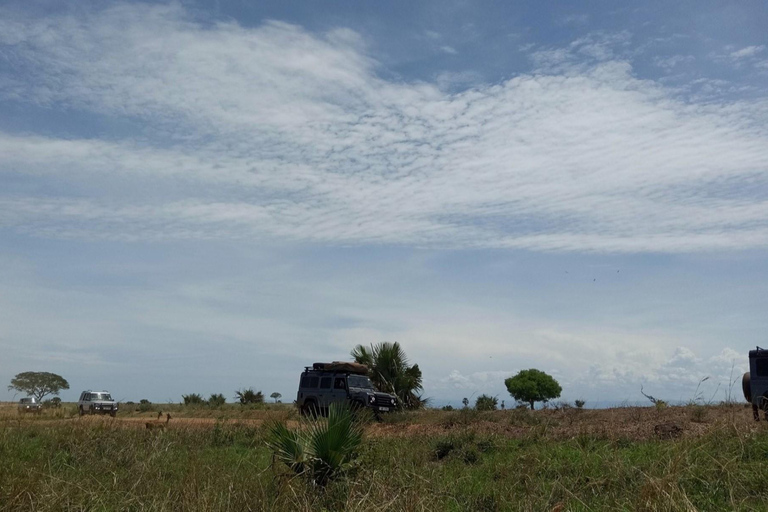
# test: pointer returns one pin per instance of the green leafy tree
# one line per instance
(217, 400)
(322, 450)
(533, 385)
(276, 396)
(486, 403)
(389, 370)
(38, 384)
(249, 396)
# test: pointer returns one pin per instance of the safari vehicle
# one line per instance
(96, 402)
(29, 404)
(754, 383)
(323, 384)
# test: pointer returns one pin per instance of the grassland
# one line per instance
(433, 460)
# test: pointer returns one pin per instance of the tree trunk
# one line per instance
(531, 404)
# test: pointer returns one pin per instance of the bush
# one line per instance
(249, 396)
(217, 400)
(447, 408)
(193, 399)
(486, 403)
(321, 451)
(579, 404)
(144, 405)
(697, 413)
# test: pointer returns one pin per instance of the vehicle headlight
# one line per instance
(393, 401)
(371, 398)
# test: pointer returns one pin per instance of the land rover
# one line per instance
(323, 384)
(96, 402)
(29, 404)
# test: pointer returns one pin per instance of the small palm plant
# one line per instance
(323, 449)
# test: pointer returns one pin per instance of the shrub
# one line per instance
(697, 413)
(486, 403)
(144, 405)
(579, 404)
(249, 396)
(447, 408)
(217, 400)
(322, 450)
(193, 399)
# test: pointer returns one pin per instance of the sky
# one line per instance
(208, 196)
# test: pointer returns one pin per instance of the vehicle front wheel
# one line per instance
(82, 412)
(309, 409)
(113, 413)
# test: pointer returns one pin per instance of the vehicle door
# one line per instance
(325, 392)
(339, 392)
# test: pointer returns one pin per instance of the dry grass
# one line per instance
(431, 460)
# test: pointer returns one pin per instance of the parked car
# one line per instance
(96, 402)
(325, 383)
(29, 404)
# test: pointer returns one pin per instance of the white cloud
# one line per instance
(748, 51)
(276, 132)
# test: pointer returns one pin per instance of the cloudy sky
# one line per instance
(199, 197)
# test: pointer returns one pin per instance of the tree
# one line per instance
(276, 396)
(38, 384)
(465, 402)
(486, 403)
(533, 386)
(217, 400)
(193, 399)
(249, 396)
(390, 372)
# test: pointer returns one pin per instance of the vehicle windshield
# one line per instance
(359, 381)
(101, 396)
(26, 400)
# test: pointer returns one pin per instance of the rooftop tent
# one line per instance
(341, 366)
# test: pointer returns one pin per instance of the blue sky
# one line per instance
(199, 197)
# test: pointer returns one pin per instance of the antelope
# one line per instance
(158, 424)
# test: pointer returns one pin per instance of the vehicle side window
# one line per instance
(87, 397)
(313, 382)
(325, 383)
(761, 365)
(305, 381)
(339, 384)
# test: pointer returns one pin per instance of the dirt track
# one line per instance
(630, 422)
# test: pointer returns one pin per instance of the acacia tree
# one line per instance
(38, 384)
(276, 396)
(533, 386)
(390, 372)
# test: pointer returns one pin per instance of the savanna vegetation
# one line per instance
(551, 459)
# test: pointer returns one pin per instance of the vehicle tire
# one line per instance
(92, 411)
(357, 405)
(746, 387)
(113, 413)
(82, 412)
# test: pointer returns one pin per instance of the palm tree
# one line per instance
(321, 450)
(390, 372)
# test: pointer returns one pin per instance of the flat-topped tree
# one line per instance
(532, 386)
(38, 384)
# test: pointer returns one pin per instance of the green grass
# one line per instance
(72, 465)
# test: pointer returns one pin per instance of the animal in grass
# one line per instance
(158, 424)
